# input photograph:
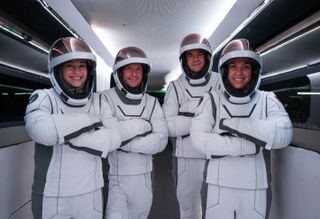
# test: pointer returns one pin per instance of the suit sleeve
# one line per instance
(178, 125)
(48, 128)
(271, 133)
(210, 142)
(154, 141)
(128, 129)
(103, 139)
(39, 121)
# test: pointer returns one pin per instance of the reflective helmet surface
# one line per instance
(126, 56)
(240, 48)
(61, 51)
(195, 41)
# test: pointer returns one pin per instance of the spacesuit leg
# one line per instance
(229, 203)
(190, 179)
(84, 206)
(221, 202)
(130, 196)
(117, 199)
(140, 199)
(252, 204)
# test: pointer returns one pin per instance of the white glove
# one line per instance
(101, 141)
(189, 106)
(131, 128)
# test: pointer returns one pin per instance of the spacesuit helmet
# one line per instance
(61, 51)
(240, 48)
(126, 56)
(190, 42)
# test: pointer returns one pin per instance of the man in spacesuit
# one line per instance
(179, 106)
(130, 186)
(69, 124)
(234, 127)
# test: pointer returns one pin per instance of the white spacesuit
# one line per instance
(179, 106)
(233, 128)
(144, 133)
(70, 128)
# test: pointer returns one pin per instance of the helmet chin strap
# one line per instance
(76, 90)
(238, 100)
(197, 81)
(201, 80)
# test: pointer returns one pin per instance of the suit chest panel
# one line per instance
(186, 92)
(126, 111)
(61, 108)
(254, 109)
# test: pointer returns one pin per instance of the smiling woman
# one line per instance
(75, 72)
(240, 73)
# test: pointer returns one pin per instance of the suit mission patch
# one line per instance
(33, 98)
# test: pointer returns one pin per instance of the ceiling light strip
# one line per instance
(20, 68)
(308, 93)
(289, 41)
(13, 30)
(15, 87)
(272, 74)
(243, 24)
(10, 31)
(57, 17)
(279, 39)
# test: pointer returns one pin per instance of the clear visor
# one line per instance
(195, 41)
(67, 49)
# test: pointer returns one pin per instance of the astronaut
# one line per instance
(179, 106)
(130, 186)
(69, 124)
(235, 127)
